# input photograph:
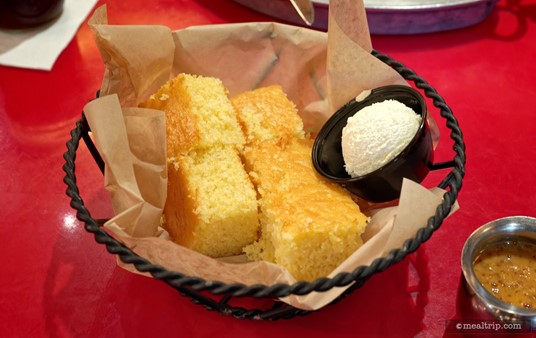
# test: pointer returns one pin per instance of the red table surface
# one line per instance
(56, 281)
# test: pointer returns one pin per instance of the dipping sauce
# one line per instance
(508, 271)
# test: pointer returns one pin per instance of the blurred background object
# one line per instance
(15, 14)
(390, 16)
(305, 10)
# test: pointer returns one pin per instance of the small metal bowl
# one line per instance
(385, 183)
(499, 230)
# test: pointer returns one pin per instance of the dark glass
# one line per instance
(28, 13)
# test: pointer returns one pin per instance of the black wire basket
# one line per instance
(216, 295)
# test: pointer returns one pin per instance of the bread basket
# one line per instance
(217, 296)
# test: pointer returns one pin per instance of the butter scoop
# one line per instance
(385, 182)
(376, 135)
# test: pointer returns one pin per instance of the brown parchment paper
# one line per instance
(314, 69)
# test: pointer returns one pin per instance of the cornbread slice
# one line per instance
(308, 224)
(211, 205)
(266, 114)
(198, 114)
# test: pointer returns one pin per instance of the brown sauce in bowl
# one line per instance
(508, 271)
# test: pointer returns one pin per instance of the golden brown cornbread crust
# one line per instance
(267, 115)
(308, 225)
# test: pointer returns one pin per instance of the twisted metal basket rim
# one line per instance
(190, 286)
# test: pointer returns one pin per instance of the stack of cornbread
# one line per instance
(240, 179)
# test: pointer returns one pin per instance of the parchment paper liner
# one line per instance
(308, 64)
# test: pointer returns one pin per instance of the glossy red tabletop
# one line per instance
(56, 281)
